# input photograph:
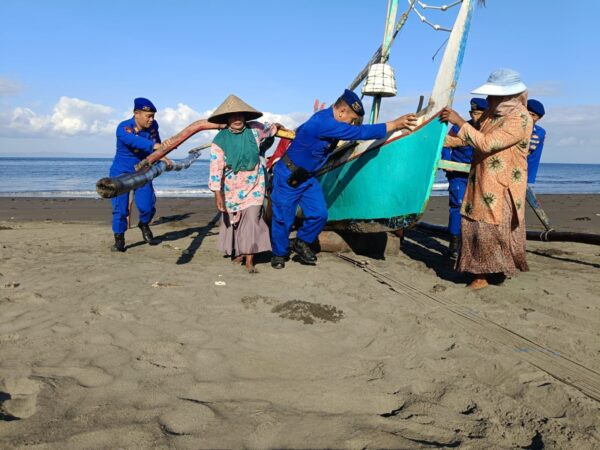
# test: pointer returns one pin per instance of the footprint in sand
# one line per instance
(18, 397)
(88, 377)
(9, 337)
(25, 297)
(112, 313)
(187, 417)
(548, 399)
(196, 337)
(165, 355)
(256, 301)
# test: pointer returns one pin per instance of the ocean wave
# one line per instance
(183, 192)
(94, 194)
(76, 194)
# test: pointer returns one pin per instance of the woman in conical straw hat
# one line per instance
(493, 209)
(237, 178)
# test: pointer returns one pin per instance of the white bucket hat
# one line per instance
(502, 82)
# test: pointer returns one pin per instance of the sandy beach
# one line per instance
(172, 346)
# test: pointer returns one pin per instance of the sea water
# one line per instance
(76, 177)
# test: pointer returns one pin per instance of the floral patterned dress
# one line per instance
(242, 230)
(493, 209)
(242, 189)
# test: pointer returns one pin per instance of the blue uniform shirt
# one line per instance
(318, 136)
(536, 145)
(132, 145)
(458, 154)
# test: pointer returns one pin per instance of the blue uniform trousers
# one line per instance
(284, 202)
(456, 191)
(145, 201)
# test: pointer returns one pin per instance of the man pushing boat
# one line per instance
(294, 183)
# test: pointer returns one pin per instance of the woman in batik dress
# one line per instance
(237, 178)
(493, 209)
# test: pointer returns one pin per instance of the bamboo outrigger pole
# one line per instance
(173, 142)
(110, 187)
(544, 236)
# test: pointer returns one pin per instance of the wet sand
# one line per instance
(172, 346)
(567, 212)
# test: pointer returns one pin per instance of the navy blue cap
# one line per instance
(143, 104)
(536, 107)
(479, 104)
(353, 102)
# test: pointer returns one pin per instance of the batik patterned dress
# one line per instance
(493, 209)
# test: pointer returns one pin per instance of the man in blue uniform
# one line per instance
(293, 180)
(136, 138)
(457, 181)
(536, 144)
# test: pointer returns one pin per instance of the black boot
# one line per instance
(454, 246)
(147, 233)
(119, 245)
(304, 252)
(277, 262)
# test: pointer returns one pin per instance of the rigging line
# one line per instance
(438, 50)
(503, 334)
(423, 19)
(586, 381)
(586, 384)
(441, 8)
(588, 378)
(377, 56)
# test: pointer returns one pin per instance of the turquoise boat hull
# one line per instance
(386, 185)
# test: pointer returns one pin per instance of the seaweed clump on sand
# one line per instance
(308, 312)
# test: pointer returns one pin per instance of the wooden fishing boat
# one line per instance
(385, 185)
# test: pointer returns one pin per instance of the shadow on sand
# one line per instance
(201, 232)
(421, 247)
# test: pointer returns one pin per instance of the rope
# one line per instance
(424, 19)
(555, 364)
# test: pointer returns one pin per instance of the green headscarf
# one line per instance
(241, 151)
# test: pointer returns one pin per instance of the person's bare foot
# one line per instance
(237, 260)
(250, 264)
(478, 283)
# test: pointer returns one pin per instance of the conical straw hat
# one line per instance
(233, 104)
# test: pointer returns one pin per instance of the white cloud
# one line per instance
(568, 141)
(173, 120)
(9, 86)
(394, 107)
(545, 89)
(73, 116)
(291, 121)
(571, 134)
(23, 120)
(571, 131)
(70, 116)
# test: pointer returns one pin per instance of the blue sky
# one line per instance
(69, 70)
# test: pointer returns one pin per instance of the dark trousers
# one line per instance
(285, 201)
(456, 190)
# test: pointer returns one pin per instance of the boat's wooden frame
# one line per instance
(401, 191)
